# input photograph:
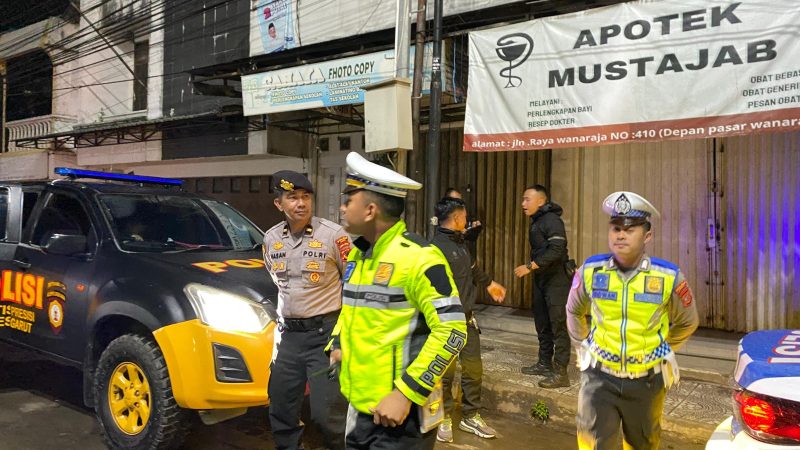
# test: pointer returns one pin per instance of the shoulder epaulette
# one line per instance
(415, 238)
(598, 258)
(664, 263)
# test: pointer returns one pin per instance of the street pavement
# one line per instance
(42, 404)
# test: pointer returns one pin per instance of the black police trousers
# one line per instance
(300, 358)
(550, 291)
(605, 402)
(471, 376)
(363, 434)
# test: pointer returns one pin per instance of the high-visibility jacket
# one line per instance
(401, 323)
(637, 317)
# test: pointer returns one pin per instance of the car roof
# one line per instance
(113, 187)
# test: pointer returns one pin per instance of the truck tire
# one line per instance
(134, 401)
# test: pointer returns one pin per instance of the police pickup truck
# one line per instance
(159, 296)
(766, 399)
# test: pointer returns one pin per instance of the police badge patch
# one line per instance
(383, 274)
(654, 285)
(348, 270)
(600, 281)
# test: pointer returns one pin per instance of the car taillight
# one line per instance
(768, 419)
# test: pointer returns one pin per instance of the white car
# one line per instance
(766, 400)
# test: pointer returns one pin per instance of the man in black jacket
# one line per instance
(548, 262)
(451, 215)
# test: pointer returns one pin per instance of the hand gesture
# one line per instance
(392, 410)
(521, 271)
(497, 291)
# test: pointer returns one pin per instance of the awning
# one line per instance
(133, 131)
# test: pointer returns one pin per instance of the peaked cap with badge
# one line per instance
(289, 180)
(629, 209)
(362, 174)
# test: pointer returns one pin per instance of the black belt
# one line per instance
(306, 324)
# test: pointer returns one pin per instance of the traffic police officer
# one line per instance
(305, 256)
(402, 323)
(642, 310)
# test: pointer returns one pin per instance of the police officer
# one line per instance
(305, 256)
(402, 323)
(548, 261)
(642, 310)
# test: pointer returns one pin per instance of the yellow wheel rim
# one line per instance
(129, 398)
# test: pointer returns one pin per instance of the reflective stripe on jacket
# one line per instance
(401, 323)
(630, 317)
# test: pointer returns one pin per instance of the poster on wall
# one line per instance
(637, 71)
(275, 26)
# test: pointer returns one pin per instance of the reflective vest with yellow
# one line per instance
(630, 318)
(401, 323)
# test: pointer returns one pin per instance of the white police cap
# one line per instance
(362, 174)
(629, 208)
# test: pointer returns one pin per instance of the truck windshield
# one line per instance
(166, 223)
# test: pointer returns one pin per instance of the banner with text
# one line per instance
(330, 83)
(671, 69)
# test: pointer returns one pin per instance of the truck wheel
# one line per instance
(134, 401)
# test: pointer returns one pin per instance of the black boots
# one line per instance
(538, 369)
(557, 379)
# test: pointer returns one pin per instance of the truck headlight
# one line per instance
(226, 311)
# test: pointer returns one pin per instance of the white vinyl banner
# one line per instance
(638, 71)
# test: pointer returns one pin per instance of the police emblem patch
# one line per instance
(314, 277)
(622, 206)
(278, 245)
(348, 270)
(654, 285)
(312, 265)
(315, 244)
(383, 274)
(600, 281)
(279, 266)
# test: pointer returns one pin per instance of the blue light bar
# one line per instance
(79, 173)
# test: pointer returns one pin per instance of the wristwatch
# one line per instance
(529, 266)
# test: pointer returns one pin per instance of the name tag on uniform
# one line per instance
(604, 295)
(649, 298)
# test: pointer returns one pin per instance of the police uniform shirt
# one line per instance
(307, 270)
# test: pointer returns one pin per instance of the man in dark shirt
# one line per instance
(548, 263)
(451, 215)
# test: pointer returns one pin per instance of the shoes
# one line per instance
(538, 369)
(445, 431)
(477, 425)
(557, 379)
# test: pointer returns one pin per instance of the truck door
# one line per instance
(51, 281)
(10, 230)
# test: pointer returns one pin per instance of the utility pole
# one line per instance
(432, 153)
(402, 33)
(413, 199)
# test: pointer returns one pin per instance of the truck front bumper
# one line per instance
(213, 369)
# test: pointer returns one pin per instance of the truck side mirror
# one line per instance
(65, 244)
